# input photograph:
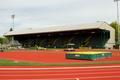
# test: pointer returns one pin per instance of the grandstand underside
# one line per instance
(94, 38)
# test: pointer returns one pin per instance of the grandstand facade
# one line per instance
(94, 35)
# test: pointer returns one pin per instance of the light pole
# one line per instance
(13, 16)
(117, 21)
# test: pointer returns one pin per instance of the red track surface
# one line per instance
(48, 56)
(55, 73)
(61, 73)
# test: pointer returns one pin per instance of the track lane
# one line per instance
(55, 73)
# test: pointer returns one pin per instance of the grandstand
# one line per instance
(94, 35)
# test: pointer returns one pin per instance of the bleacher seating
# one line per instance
(61, 41)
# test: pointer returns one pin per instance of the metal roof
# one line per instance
(97, 25)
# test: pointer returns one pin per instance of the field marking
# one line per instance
(68, 70)
(55, 68)
(99, 77)
(47, 79)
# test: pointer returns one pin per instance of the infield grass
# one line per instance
(4, 62)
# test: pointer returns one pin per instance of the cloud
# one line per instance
(39, 13)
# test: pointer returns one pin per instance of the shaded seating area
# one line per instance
(86, 39)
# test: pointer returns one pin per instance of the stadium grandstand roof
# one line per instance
(97, 25)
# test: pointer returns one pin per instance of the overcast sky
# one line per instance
(43, 13)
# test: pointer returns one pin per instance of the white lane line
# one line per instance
(55, 68)
(62, 74)
(99, 77)
(77, 78)
(47, 79)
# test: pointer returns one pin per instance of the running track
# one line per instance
(61, 73)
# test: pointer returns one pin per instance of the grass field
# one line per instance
(21, 63)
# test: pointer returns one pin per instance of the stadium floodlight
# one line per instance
(13, 16)
(117, 20)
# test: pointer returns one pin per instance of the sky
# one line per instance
(44, 13)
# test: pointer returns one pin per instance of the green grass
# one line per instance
(16, 63)
(22, 63)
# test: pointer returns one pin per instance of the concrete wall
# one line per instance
(111, 42)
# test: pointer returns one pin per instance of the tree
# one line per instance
(3, 40)
(115, 25)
